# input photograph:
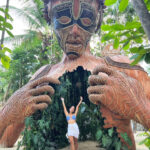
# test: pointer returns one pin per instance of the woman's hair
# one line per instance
(101, 8)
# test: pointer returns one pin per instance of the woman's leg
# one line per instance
(71, 139)
(76, 143)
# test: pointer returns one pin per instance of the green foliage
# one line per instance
(123, 5)
(110, 2)
(4, 58)
(5, 26)
(146, 141)
(124, 30)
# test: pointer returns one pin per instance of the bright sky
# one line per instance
(19, 25)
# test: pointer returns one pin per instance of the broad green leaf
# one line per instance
(126, 45)
(2, 10)
(118, 145)
(132, 25)
(110, 132)
(10, 34)
(134, 50)
(2, 45)
(106, 27)
(147, 142)
(144, 134)
(110, 2)
(138, 40)
(142, 142)
(137, 59)
(118, 27)
(2, 18)
(35, 139)
(123, 5)
(139, 50)
(2, 54)
(145, 1)
(83, 109)
(99, 134)
(116, 43)
(7, 49)
(5, 61)
(148, 5)
(107, 37)
(106, 141)
(8, 25)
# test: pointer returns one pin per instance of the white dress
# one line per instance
(73, 130)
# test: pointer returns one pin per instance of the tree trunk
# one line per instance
(3, 32)
(144, 15)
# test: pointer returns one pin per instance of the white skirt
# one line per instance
(73, 130)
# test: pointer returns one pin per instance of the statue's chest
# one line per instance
(87, 64)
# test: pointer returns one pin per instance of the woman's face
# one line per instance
(72, 109)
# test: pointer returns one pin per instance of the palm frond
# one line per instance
(32, 21)
(23, 37)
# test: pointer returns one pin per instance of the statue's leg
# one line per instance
(122, 126)
(11, 135)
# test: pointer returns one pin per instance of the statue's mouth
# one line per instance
(73, 53)
(74, 45)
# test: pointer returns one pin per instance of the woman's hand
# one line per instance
(62, 99)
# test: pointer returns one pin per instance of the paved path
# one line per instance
(89, 145)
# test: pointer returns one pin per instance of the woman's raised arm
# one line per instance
(64, 106)
(77, 107)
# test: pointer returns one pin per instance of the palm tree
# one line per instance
(3, 32)
(38, 27)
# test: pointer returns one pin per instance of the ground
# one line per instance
(90, 145)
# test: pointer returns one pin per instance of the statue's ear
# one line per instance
(100, 17)
(48, 12)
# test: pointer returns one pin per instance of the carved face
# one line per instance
(74, 22)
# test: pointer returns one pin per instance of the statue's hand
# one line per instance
(120, 93)
(34, 96)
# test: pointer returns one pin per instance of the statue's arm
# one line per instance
(139, 75)
(11, 134)
(3, 124)
(143, 94)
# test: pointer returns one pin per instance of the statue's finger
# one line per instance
(98, 80)
(41, 90)
(103, 69)
(97, 99)
(40, 106)
(96, 89)
(41, 99)
(44, 80)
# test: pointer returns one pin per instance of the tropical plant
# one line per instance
(146, 140)
(124, 29)
(5, 26)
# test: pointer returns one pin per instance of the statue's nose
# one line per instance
(75, 30)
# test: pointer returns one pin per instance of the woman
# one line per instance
(73, 130)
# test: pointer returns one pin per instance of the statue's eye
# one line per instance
(86, 21)
(64, 20)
